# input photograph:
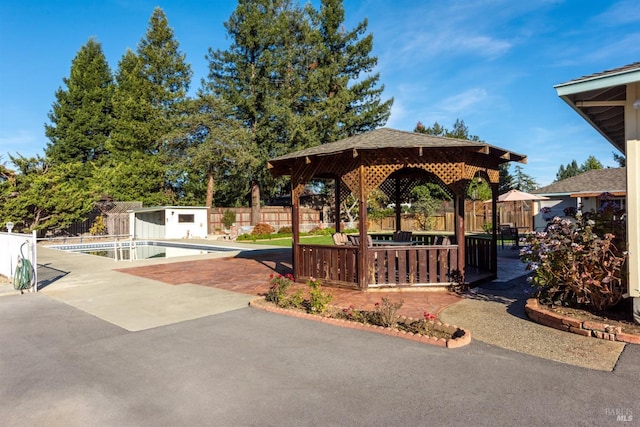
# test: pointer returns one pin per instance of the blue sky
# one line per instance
(492, 63)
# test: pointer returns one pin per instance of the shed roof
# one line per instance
(596, 181)
(386, 138)
(163, 208)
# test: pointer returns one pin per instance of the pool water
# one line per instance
(144, 249)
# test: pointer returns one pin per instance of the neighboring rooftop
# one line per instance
(611, 180)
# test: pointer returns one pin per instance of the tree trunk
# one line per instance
(255, 203)
(209, 200)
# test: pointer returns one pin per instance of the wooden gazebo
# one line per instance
(393, 161)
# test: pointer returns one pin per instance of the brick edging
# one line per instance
(587, 328)
(440, 342)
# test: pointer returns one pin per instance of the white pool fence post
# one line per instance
(34, 259)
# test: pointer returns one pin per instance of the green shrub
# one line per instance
(487, 227)
(228, 218)
(280, 285)
(318, 298)
(573, 266)
(285, 230)
(98, 228)
(386, 313)
(262, 229)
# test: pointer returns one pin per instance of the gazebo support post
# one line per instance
(398, 208)
(460, 232)
(336, 193)
(363, 281)
(295, 226)
(494, 228)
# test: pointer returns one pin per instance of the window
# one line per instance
(186, 218)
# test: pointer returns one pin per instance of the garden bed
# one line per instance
(425, 331)
(610, 325)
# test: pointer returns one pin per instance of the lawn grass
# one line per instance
(286, 241)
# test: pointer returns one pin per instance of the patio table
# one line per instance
(377, 242)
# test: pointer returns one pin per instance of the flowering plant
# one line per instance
(572, 265)
(570, 211)
(318, 298)
(280, 285)
(545, 210)
(428, 316)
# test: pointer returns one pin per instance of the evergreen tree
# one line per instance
(258, 75)
(151, 93)
(295, 78)
(620, 159)
(163, 66)
(350, 94)
(45, 196)
(522, 181)
(217, 153)
(137, 126)
(572, 168)
(506, 180)
(591, 164)
(152, 85)
(459, 130)
(81, 117)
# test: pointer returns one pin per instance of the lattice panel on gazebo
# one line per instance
(407, 182)
(344, 191)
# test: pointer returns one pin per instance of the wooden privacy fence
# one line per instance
(275, 216)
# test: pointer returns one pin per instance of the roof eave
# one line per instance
(597, 82)
(575, 108)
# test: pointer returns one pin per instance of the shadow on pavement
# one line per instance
(48, 275)
(513, 294)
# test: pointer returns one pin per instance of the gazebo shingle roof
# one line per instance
(386, 138)
(593, 181)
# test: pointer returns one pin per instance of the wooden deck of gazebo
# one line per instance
(394, 162)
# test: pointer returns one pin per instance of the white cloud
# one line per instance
(464, 101)
(620, 13)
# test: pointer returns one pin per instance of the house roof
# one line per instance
(164, 208)
(600, 99)
(590, 183)
(392, 139)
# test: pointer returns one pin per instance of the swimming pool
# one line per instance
(145, 249)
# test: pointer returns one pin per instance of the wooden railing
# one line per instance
(411, 265)
(418, 265)
(335, 265)
(387, 266)
(478, 252)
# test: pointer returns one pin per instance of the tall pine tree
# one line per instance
(81, 117)
(348, 89)
(151, 94)
(296, 78)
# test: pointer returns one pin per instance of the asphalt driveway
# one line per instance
(62, 366)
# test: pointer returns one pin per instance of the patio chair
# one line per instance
(508, 232)
(402, 236)
(340, 239)
(355, 240)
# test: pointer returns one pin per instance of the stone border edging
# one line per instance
(587, 328)
(440, 342)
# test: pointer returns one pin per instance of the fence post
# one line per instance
(34, 258)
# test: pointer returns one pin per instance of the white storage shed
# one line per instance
(168, 222)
